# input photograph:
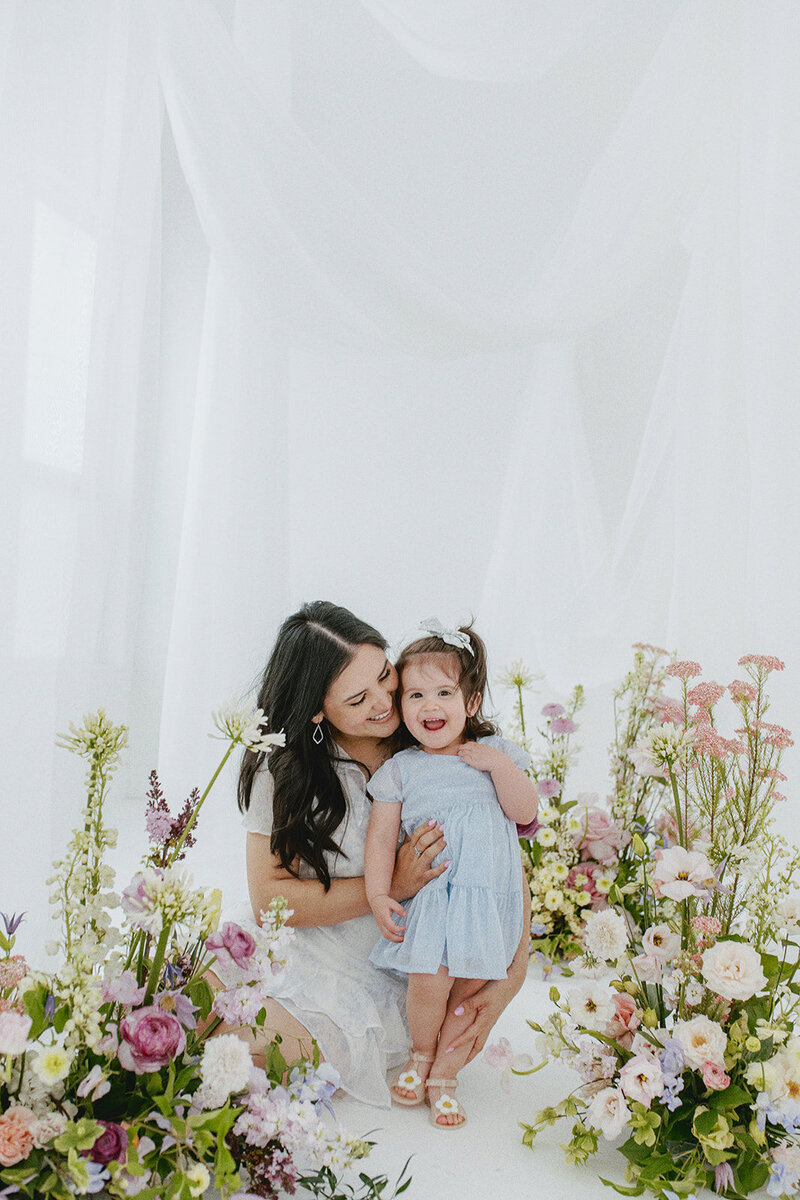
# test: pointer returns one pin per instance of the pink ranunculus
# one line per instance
(232, 945)
(681, 873)
(600, 836)
(17, 1133)
(714, 1076)
(150, 1038)
(14, 1030)
(625, 1021)
(111, 1146)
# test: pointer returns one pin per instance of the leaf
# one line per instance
(730, 1097)
(200, 993)
(636, 1190)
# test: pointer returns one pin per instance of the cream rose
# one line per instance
(733, 970)
(702, 1041)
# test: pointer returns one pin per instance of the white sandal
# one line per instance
(410, 1081)
(446, 1105)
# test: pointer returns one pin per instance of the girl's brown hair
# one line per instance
(471, 674)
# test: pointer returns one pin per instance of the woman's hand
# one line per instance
(412, 868)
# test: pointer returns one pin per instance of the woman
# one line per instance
(330, 687)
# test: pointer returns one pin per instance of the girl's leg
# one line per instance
(426, 1005)
(447, 1066)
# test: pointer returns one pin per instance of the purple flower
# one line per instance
(151, 1037)
(50, 1007)
(98, 1177)
(553, 710)
(563, 725)
(12, 923)
(672, 1058)
(233, 946)
(111, 1146)
(723, 1177)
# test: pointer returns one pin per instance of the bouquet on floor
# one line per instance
(110, 1079)
(579, 857)
(688, 1058)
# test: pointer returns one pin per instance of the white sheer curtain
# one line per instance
(481, 308)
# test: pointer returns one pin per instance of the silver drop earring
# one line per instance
(317, 740)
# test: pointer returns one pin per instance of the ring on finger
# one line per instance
(418, 852)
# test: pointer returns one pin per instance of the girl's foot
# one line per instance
(446, 1112)
(409, 1086)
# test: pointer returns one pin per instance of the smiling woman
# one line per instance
(330, 687)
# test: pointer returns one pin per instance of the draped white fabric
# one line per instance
(472, 308)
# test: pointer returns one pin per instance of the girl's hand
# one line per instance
(412, 868)
(383, 907)
(481, 756)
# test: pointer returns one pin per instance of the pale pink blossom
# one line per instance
(12, 970)
(714, 1076)
(702, 1041)
(648, 968)
(14, 1030)
(661, 942)
(644, 765)
(681, 873)
(563, 725)
(124, 990)
(94, 1085)
(642, 1079)
(151, 1037)
(499, 1055)
(625, 1020)
(553, 710)
(600, 835)
(17, 1134)
(548, 788)
(609, 1113)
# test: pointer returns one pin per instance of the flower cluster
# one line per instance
(684, 1043)
(114, 1075)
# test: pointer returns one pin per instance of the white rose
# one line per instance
(733, 970)
(609, 1113)
(702, 1041)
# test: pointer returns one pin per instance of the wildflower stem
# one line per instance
(177, 847)
(158, 963)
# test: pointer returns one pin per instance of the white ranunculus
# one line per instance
(702, 1041)
(609, 1113)
(733, 970)
(661, 942)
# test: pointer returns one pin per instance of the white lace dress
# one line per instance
(355, 1011)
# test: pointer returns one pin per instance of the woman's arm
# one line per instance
(481, 1011)
(346, 898)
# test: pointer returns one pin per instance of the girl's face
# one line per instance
(361, 702)
(433, 705)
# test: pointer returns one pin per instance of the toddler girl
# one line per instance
(464, 926)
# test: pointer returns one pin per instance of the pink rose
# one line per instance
(233, 946)
(625, 1021)
(599, 836)
(111, 1146)
(17, 1129)
(151, 1037)
(714, 1076)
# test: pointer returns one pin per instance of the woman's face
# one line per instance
(360, 701)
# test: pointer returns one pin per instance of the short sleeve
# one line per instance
(258, 818)
(387, 784)
(518, 756)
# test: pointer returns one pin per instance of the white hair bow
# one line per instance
(453, 637)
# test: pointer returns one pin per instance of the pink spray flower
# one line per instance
(232, 945)
(714, 1076)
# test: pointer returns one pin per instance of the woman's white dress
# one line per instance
(355, 1011)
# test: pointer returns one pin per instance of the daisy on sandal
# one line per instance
(463, 927)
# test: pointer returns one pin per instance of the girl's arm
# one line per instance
(346, 898)
(379, 857)
(516, 791)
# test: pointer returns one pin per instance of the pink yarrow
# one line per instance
(706, 694)
(742, 692)
(684, 670)
(762, 662)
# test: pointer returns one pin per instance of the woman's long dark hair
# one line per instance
(313, 647)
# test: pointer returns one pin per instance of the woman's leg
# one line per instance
(296, 1041)
(447, 1066)
(426, 1005)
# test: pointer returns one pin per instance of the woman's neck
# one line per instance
(371, 752)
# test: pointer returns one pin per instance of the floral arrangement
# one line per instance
(114, 1076)
(580, 853)
(689, 1053)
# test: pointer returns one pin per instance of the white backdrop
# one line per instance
(480, 308)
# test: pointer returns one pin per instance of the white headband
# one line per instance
(453, 637)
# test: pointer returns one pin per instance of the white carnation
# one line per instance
(224, 1068)
(605, 935)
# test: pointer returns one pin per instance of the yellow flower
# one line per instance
(553, 898)
(52, 1065)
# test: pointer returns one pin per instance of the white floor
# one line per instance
(486, 1157)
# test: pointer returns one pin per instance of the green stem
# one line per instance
(199, 805)
(158, 962)
(674, 784)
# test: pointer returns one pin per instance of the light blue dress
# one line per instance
(468, 919)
